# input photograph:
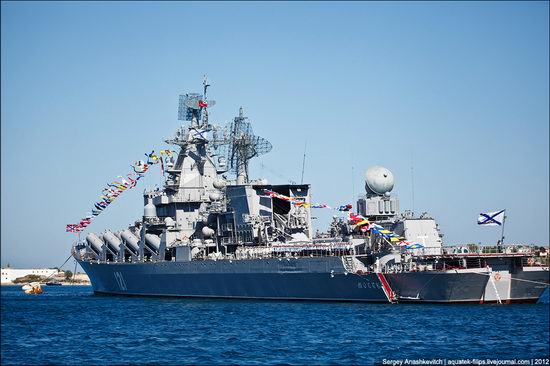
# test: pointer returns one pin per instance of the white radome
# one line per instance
(219, 184)
(378, 180)
(207, 232)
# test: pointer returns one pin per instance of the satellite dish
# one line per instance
(378, 181)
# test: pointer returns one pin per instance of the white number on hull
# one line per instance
(120, 280)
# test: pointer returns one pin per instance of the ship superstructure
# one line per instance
(211, 231)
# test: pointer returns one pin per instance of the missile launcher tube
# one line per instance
(131, 240)
(94, 242)
(153, 241)
(112, 241)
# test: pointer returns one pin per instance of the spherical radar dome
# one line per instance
(378, 180)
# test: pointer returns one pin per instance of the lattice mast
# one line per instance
(244, 145)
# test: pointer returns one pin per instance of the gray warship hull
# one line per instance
(208, 234)
(473, 287)
(294, 279)
(320, 279)
(528, 286)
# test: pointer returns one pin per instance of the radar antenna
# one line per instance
(193, 107)
(243, 145)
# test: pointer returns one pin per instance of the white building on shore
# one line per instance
(10, 274)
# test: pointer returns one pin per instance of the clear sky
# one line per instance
(459, 91)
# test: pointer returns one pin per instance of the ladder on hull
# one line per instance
(386, 287)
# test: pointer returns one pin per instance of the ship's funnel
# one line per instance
(94, 243)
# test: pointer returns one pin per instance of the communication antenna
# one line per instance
(304, 162)
(412, 182)
(205, 84)
(352, 183)
(278, 174)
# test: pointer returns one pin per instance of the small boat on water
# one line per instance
(53, 284)
(32, 288)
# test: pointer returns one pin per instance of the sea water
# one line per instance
(71, 325)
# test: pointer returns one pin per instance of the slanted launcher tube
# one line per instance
(94, 242)
(131, 240)
(153, 241)
(112, 241)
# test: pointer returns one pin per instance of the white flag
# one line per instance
(491, 218)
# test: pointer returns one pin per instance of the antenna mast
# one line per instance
(412, 182)
(304, 163)
(205, 102)
(502, 233)
(352, 183)
(206, 85)
(243, 145)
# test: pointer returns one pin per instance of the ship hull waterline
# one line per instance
(315, 279)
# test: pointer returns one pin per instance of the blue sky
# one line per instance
(459, 91)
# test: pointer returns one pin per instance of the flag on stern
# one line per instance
(491, 218)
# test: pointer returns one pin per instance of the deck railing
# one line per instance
(342, 249)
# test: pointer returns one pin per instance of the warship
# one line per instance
(212, 232)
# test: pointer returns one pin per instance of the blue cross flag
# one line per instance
(491, 218)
